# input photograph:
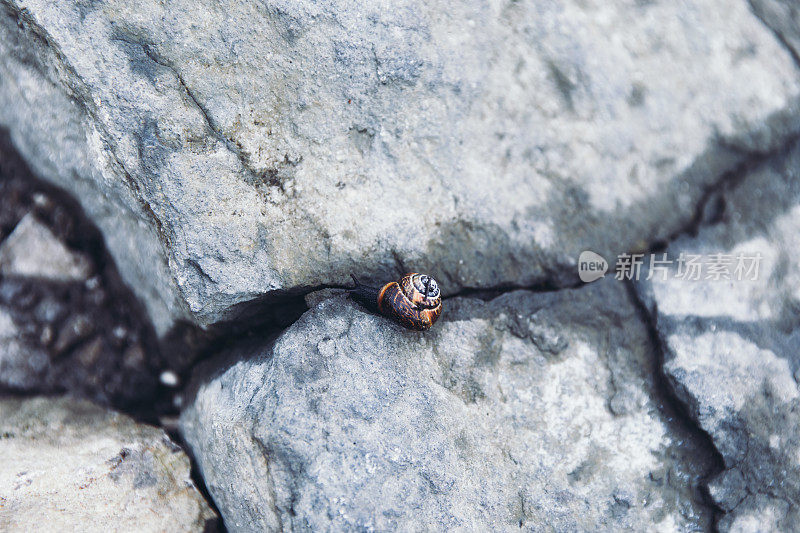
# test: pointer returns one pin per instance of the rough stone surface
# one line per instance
(32, 250)
(69, 465)
(242, 149)
(530, 411)
(731, 346)
(783, 17)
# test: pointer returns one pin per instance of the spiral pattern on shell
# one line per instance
(415, 301)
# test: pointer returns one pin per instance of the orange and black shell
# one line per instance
(405, 302)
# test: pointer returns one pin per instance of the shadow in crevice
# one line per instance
(678, 415)
(105, 299)
(744, 206)
(86, 358)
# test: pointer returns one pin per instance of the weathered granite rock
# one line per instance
(731, 346)
(33, 251)
(234, 150)
(68, 465)
(530, 410)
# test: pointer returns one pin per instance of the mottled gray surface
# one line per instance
(732, 347)
(70, 466)
(249, 152)
(236, 149)
(532, 411)
(22, 366)
(783, 17)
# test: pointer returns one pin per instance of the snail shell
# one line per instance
(414, 301)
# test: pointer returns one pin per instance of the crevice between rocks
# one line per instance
(676, 411)
(709, 211)
(73, 227)
(711, 205)
(58, 71)
(211, 526)
(291, 304)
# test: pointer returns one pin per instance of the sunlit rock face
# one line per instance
(69, 465)
(731, 339)
(234, 151)
(530, 410)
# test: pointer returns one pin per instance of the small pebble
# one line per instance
(169, 378)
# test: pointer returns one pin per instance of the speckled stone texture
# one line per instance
(529, 411)
(731, 346)
(242, 151)
(239, 158)
(68, 465)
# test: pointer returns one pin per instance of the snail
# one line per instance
(414, 301)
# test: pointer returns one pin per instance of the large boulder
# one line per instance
(243, 151)
(533, 411)
(68, 465)
(731, 338)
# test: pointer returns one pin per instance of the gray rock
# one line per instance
(530, 411)
(238, 151)
(783, 16)
(33, 251)
(731, 346)
(69, 465)
(21, 366)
